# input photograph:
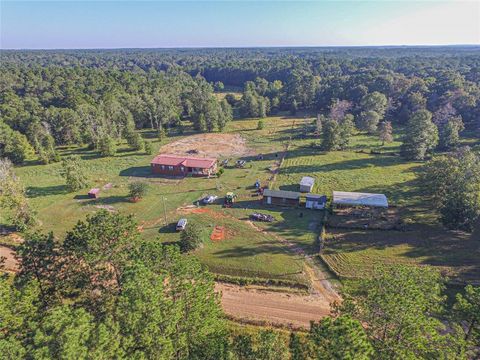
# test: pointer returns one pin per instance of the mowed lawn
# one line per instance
(244, 250)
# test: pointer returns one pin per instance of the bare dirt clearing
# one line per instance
(213, 145)
(271, 307)
(11, 263)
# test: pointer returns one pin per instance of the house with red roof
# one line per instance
(172, 165)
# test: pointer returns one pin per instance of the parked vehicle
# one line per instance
(181, 225)
(210, 199)
(229, 199)
(240, 163)
(262, 217)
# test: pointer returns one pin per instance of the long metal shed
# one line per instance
(344, 198)
(280, 197)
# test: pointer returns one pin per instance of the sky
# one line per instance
(159, 24)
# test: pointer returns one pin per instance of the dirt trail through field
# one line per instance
(272, 307)
(320, 284)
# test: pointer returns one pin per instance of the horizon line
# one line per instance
(244, 47)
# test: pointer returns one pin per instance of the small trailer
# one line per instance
(94, 193)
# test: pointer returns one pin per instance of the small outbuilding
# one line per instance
(306, 184)
(281, 197)
(356, 199)
(94, 193)
(315, 201)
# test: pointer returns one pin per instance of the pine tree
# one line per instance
(421, 136)
(74, 173)
(13, 199)
(107, 146)
(135, 141)
(369, 121)
(148, 148)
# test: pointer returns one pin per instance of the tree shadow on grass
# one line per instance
(362, 163)
(36, 191)
(264, 247)
(110, 200)
(82, 197)
(170, 228)
(290, 187)
(137, 171)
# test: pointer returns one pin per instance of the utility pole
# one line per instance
(165, 210)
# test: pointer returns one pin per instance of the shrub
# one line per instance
(107, 146)
(190, 239)
(162, 134)
(74, 173)
(220, 172)
(148, 148)
(135, 141)
(137, 190)
(260, 125)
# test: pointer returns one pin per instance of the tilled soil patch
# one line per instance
(209, 145)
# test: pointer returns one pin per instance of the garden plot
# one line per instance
(209, 145)
(380, 219)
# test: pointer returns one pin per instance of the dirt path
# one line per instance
(272, 307)
(10, 264)
(319, 280)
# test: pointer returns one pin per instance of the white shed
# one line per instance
(306, 184)
(343, 198)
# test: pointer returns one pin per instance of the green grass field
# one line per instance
(354, 253)
(248, 251)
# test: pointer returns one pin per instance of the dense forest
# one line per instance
(50, 98)
(104, 293)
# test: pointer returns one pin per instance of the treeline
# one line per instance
(104, 293)
(50, 98)
(41, 108)
(312, 77)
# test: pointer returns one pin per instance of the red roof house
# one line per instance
(183, 165)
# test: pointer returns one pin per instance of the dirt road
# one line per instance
(272, 307)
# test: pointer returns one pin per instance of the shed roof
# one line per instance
(307, 181)
(359, 199)
(281, 194)
(94, 191)
(173, 160)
